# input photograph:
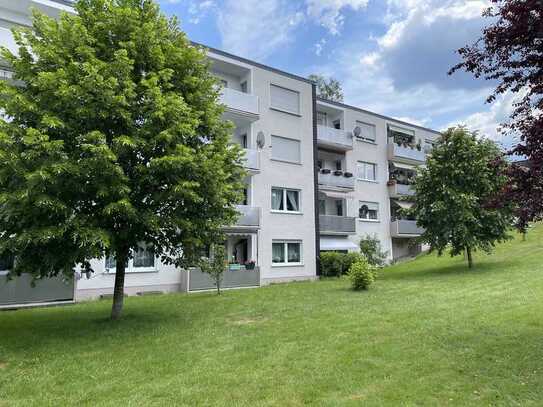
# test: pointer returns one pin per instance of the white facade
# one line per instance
(273, 114)
(354, 141)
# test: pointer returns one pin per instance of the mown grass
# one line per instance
(429, 332)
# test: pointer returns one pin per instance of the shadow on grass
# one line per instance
(457, 268)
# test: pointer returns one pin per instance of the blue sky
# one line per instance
(391, 56)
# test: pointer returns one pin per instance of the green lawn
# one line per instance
(429, 332)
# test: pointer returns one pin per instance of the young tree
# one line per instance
(462, 174)
(329, 89)
(215, 265)
(510, 53)
(370, 247)
(114, 139)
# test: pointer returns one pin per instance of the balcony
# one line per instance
(334, 138)
(249, 217)
(405, 154)
(231, 279)
(337, 225)
(251, 160)
(241, 104)
(405, 228)
(336, 182)
(396, 190)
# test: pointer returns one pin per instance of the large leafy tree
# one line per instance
(113, 138)
(462, 175)
(328, 88)
(510, 53)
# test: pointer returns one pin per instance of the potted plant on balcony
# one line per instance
(391, 182)
(347, 174)
(325, 171)
(338, 173)
(250, 265)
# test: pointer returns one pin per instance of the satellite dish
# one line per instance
(260, 139)
(357, 131)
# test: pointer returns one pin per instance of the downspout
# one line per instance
(316, 181)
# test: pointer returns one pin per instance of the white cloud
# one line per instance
(319, 46)
(199, 9)
(257, 28)
(328, 13)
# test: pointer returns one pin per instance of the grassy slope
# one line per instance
(428, 333)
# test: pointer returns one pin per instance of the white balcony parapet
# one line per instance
(336, 181)
(240, 102)
(405, 228)
(337, 225)
(334, 137)
(249, 216)
(252, 159)
(400, 190)
(405, 154)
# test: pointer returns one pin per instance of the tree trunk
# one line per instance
(118, 291)
(218, 284)
(470, 257)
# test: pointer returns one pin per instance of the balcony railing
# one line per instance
(239, 101)
(334, 137)
(336, 181)
(231, 279)
(343, 225)
(407, 154)
(396, 190)
(252, 159)
(405, 228)
(249, 216)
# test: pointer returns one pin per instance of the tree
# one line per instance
(370, 247)
(462, 174)
(510, 53)
(115, 140)
(215, 265)
(329, 89)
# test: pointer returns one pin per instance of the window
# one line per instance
(367, 171)
(337, 124)
(368, 210)
(322, 207)
(339, 207)
(284, 99)
(287, 200)
(6, 263)
(367, 131)
(143, 259)
(243, 86)
(338, 165)
(286, 252)
(285, 149)
(321, 118)
(243, 138)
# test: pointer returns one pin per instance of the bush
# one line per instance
(331, 264)
(334, 264)
(370, 247)
(362, 275)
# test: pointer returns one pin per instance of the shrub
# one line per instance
(331, 264)
(370, 246)
(349, 259)
(362, 275)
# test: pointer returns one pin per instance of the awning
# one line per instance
(337, 243)
(336, 195)
(403, 204)
(404, 166)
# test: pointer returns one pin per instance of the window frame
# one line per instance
(281, 109)
(285, 244)
(284, 200)
(284, 160)
(365, 139)
(378, 219)
(130, 268)
(358, 163)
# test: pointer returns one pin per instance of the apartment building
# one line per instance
(320, 176)
(274, 238)
(366, 164)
